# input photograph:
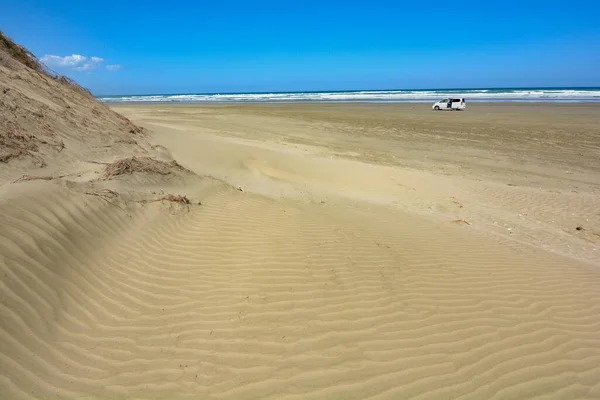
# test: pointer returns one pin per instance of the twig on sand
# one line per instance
(59, 145)
(176, 198)
(462, 221)
(455, 201)
(16, 153)
(36, 177)
(172, 198)
(98, 162)
(106, 195)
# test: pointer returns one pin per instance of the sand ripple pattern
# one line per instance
(247, 298)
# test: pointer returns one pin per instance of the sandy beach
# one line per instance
(529, 173)
(340, 251)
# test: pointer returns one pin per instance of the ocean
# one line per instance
(590, 94)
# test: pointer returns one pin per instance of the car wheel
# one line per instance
(436, 108)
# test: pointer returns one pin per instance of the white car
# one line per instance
(450, 104)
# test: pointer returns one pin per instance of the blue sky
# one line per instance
(249, 46)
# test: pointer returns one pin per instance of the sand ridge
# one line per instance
(344, 304)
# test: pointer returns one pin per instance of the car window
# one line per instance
(455, 100)
(444, 101)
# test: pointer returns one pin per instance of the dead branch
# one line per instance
(106, 195)
(37, 177)
(462, 221)
(99, 162)
(172, 198)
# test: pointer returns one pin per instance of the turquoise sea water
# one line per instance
(591, 94)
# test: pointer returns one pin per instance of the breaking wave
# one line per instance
(554, 95)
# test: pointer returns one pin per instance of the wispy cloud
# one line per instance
(92, 63)
(76, 62)
(113, 67)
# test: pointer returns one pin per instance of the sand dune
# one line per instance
(323, 261)
(247, 297)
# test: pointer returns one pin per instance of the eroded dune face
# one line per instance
(47, 120)
(300, 275)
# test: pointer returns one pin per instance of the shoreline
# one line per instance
(111, 103)
(588, 94)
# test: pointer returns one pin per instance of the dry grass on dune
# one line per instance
(11, 54)
(173, 198)
(42, 113)
(16, 53)
(141, 164)
(14, 141)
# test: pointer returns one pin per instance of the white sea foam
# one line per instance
(578, 95)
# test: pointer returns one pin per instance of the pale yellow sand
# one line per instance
(337, 271)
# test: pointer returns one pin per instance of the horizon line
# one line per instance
(354, 90)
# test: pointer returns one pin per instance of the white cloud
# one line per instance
(92, 63)
(76, 62)
(67, 61)
(113, 67)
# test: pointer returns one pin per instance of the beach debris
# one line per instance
(126, 141)
(174, 198)
(98, 162)
(106, 195)
(139, 164)
(240, 189)
(462, 221)
(60, 146)
(580, 228)
(455, 201)
(16, 142)
(36, 177)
